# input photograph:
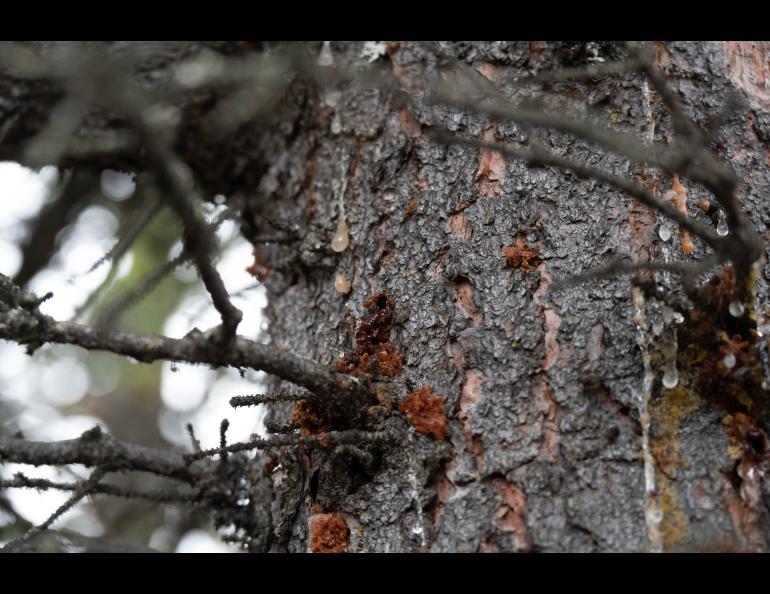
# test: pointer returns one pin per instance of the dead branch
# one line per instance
(22, 322)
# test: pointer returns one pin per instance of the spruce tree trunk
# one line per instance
(542, 389)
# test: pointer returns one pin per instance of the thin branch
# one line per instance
(323, 441)
(132, 232)
(283, 396)
(83, 489)
(589, 72)
(148, 282)
(88, 75)
(684, 161)
(94, 448)
(224, 425)
(196, 445)
(711, 171)
(143, 287)
(26, 325)
(623, 266)
(20, 481)
(116, 253)
(617, 142)
(537, 157)
(176, 181)
(682, 124)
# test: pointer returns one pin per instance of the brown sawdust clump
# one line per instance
(311, 416)
(329, 533)
(748, 439)
(720, 289)
(723, 350)
(425, 411)
(374, 353)
(521, 255)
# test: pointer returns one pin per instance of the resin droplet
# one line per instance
(326, 58)
(336, 126)
(664, 232)
(332, 97)
(655, 515)
(341, 239)
(670, 376)
(722, 228)
(729, 361)
(341, 284)
(736, 309)
(678, 317)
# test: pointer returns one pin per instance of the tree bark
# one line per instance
(541, 389)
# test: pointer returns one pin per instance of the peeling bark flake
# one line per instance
(491, 173)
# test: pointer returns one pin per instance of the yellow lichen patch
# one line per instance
(673, 526)
(667, 415)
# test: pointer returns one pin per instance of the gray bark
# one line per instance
(541, 390)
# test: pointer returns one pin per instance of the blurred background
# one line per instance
(51, 242)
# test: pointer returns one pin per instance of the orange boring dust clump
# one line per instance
(521, 255)
(374, 353)
(329, 533)
(311, 417)
(425, 411)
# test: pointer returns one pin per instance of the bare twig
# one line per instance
(82, 490)
(323, 441)
(538, 157)
(196, 445)
(283, 396)
(94, 448)
(22, 322)
(621, 266)
(584, 73)
(143, 286)
(130, 235)
(21, 481)
(172, 174)
(147, 283)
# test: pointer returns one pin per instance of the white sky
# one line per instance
(33, 387)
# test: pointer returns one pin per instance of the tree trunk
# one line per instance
(545, 447)
(541, 389)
